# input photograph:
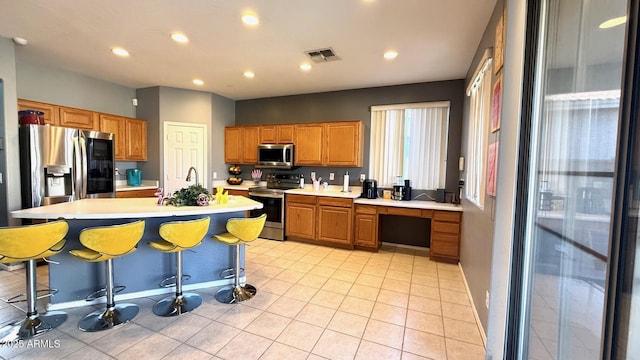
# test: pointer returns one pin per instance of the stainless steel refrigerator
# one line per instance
(60, 164)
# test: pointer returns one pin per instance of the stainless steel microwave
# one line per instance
(275, 156)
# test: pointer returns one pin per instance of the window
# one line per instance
(480, 92)
(409, 141)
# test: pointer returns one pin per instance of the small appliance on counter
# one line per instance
(369, 189)
(134, 177)
(407, 190)
(398, 192)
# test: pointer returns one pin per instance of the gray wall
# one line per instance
(41, 83)
(477, 224)
(160, 104)
(354, 105)
(9, 153)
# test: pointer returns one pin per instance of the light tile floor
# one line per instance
(313, 302)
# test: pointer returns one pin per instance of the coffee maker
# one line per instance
(369, 189)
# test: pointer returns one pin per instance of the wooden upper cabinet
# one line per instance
(250, 142)
(343, 143)
(241, 144)
(78, 118)
(116, 125)
(136, 139)
(51, 112)
(309, 144)
(277, 134)
(232, 145)
(269, 134)
(286, 134)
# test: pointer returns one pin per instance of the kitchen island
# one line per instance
(141, 271)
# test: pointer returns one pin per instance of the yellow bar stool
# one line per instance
(176, 237)
(106, 243)
(240, 231)
(29, 243)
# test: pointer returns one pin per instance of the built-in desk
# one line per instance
(445, 224)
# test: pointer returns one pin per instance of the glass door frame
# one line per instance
(621, 247)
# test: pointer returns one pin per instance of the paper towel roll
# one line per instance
(345, 185)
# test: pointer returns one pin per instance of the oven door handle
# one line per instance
(272, 196)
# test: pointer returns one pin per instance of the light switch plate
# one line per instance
(332, 176)
(362, 177)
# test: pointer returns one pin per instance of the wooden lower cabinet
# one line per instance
(445, 236)
(301, 221)
(334, 224)
(136, 193)
(366, 227)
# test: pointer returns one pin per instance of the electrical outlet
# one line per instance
(313, 174)
(215, 175)
(332, 176)
(362, 177)
(486, 299)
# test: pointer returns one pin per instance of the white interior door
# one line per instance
(184, 146)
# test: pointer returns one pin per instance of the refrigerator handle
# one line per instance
(85, 179)
(77, 171)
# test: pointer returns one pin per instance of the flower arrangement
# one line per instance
(193, 195)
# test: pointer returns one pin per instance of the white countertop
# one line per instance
(333, 191)
(121, 185)
(413, 204)
(115, 208)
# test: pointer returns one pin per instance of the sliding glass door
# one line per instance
(569, 179)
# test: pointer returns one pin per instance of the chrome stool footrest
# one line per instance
(108, 318)
(171, 281)
(230, 273)
(103, 292)
(23, 297)
(235, 294)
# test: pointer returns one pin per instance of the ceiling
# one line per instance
(435, 39)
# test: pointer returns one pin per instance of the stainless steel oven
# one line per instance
(273, 205)
(272, 199)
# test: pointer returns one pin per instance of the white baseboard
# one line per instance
(473, 307)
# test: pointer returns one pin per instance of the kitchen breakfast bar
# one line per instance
(141, 271)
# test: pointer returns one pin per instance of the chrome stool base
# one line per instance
(106, 319)
(176, 305)
(235, 294)
(31, 326)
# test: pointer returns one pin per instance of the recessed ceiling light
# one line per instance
(305, 67)
(249, 74)
(391, 54)
(180, 37)
(250, 19)
(120, 52)
(613, 22)
(198, 82)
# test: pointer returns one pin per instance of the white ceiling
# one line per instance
(436, 40)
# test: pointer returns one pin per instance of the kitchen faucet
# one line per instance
(189, 174)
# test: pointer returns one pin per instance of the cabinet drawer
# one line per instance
(444, 227)
(136, 193)
(303, 199)
(235, 192)
(365, 209)
(439, 246)
(333, 201)
(404, 211)
(447, 216)
(427, 214)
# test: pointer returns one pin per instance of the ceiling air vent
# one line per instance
(322, 55)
